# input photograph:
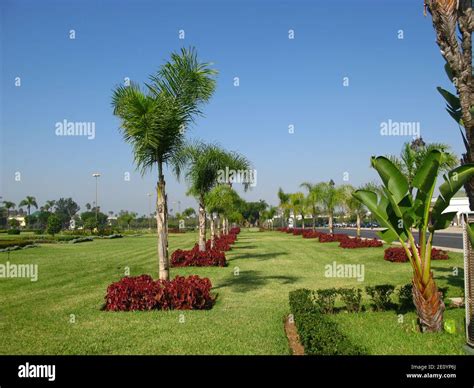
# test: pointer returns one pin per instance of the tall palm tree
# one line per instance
(283, 205)
(29, 201)
(154, 122)
(312, 200)
(9, 205)
(453, 23)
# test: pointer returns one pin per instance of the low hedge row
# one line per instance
(319, 333)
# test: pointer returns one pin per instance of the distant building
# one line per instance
(460, 205)
(20, 219)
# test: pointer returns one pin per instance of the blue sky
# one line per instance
(282, 82)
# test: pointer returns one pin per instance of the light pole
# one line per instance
(96, 175)
(149, 211)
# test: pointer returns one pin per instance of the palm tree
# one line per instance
(312, 200)
(414, 154)
(452, 21)
(355, 207)
(330, 197)
(283, 205)
(49, 205)
(9, 205)
(268, 214)
(154, 122)
(204, 164)
(28, 202)
(297, 206)
(221, 200)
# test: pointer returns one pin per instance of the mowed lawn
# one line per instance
(35, 317)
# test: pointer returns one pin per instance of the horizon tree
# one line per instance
(312, 200)
(284, 199)
(330, 197)
(9, 205)
(28, 202)
(154, 122)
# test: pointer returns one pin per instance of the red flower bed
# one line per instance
(284, 230)
(144, 293)
(196, 258)
(298, 231)
(311, 234)
(398, 254)
(235, 230)
(335, 237)
(352, 243)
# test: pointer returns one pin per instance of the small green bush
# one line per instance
(381, 296)
(318, 332)
(405, 298)
(352, 298)
(13, 231)
(326, 299)
(81, 240)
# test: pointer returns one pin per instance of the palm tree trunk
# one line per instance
(314, 222)
(202, 225)
(358, 225)
(218, 226)
(162, 226)
(331, 229)
(429, 304)
(302, 221)
(213, 231)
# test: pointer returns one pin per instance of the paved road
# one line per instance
(447, 240)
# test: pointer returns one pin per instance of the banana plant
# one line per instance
(400, 211)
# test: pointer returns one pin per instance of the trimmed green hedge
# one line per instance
(318, 332)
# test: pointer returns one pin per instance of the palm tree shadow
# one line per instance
(246, 281)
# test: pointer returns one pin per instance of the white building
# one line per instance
(460, 205)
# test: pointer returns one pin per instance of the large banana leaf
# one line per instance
(392, 177)
(425, 181)
(384, 214)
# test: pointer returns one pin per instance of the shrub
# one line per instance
(80, 240)
(380, 296)
(405, 297)
(326, 299)
(54, 225)
(398, 254)
(196, 258)
(352, 243)
(13, 231)
(352, 298)
(318, 332)
(143, 293)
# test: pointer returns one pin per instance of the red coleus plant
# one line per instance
(398, 255)
(196, 258)
(335, 237)
(352, 243)
(311, 234)
(144, 293)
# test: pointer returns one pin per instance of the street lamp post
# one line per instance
(96, 175)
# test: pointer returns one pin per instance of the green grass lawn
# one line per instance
(247, 318)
